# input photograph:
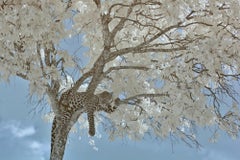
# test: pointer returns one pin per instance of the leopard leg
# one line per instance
(91, 123)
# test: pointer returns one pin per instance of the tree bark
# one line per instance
(59, 136)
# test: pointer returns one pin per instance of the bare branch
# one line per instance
(162, 32)
(137, 97)
(125, 67)
(189, 139)
(81, 80)
(120, 25)
(139, 49)
(40, 59)
(161, 50)
(48, 51)
(98, 3)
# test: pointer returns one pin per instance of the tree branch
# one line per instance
(53, 96)
(139, 49)
(161, 50)
(98, 3)
(81, 80)
(120, 25)
(47, 52)
(162, 32)
(40, 59)
(125, 67)
(136, 97)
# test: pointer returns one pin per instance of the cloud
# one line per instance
(35, 145)
(28, 131)
(25, 145)
(41, 150)
(18, 131)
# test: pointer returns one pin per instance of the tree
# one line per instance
(172, 66)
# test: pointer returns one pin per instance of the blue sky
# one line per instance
(25, 136)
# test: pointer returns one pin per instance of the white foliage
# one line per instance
(195, 56)
(66, 83)
(48, 117)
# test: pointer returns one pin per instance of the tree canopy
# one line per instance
(172, 65)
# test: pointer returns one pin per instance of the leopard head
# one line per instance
(105, 100)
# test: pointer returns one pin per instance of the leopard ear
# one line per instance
(117, 101)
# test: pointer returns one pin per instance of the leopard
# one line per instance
(71, 103)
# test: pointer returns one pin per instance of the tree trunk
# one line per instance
(59, 136)
(62, 124)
